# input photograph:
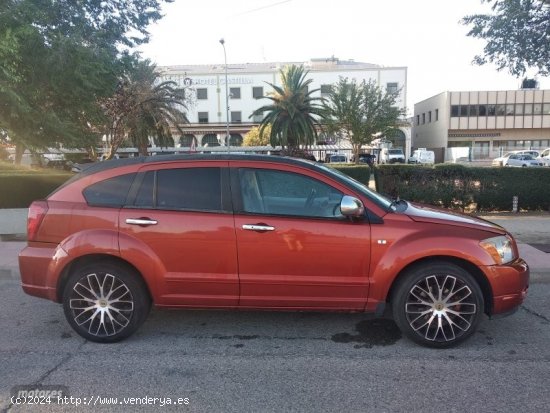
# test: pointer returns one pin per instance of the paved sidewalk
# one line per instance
(529, 230)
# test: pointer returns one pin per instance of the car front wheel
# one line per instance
(105, 302)
(438, 305)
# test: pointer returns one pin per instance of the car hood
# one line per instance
(431, 214)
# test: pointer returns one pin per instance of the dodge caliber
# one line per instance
(245, 232)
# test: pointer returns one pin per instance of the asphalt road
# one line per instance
(275, 362)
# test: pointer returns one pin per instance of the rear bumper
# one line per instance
(509, 284)
(38, 266)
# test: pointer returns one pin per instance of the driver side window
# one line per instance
(272, 192)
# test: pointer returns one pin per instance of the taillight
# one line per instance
(37, 212)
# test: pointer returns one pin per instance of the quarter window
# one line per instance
(111, 192)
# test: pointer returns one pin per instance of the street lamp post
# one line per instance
(227, 136)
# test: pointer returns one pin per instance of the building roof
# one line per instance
(315, 64)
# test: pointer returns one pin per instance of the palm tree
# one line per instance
(144, 108)
(293, 113)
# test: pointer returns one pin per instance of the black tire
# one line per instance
(105, 302)
(425, 316)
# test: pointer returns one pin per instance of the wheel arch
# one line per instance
(95, 258)
(441, 259)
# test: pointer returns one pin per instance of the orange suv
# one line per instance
(260, 232)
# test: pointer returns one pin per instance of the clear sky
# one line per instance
(423, 35)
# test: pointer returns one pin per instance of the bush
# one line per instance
(360, 173)
(20, 189)
(461, 187)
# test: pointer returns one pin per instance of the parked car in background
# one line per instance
(519, 160)
(501, 160)
(367, 158)
(335, 158)
(422, 156)
(392, 155)
(544, 157)
(247, 232)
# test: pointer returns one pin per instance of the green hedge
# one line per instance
(20, 189)
(461, 187)
(360, 173)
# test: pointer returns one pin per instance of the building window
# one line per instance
(326, 89)
(236, 117)
(537, 108)
(203, 117)
(418, 119)
(510, 110)
(423, 118)
(257, 92)
(235, 92)
(454, 111)
(391, 88)
(482, 110)
(528, 109)
(546, 109)
(202, 93)
(436, 115)
(519, 109)
(491, 110)
(501, 110)
(463, 110)
(430, 116)
(257, 118)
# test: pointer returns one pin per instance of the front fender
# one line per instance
(391, 258)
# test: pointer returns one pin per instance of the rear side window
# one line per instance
(111, 192)
(189, 188)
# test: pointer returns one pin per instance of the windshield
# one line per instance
(396, 151)
(377, 198)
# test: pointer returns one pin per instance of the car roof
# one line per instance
(115, 163)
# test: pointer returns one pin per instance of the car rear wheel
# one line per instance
(438, 305)
(105, 302)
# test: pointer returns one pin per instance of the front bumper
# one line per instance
(509, 284)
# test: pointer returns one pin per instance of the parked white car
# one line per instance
(522, 161)
(544, 157)
(501, 160)
(422, 156)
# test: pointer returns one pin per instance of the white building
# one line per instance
(247, 85)
(487, 122)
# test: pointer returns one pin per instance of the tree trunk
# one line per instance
(19, 151)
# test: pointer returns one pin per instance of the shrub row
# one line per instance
(18, 190)
(461, 187)
(360, 173)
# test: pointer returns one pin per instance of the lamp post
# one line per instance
(227, 136)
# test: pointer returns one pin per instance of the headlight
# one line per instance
(500, 248)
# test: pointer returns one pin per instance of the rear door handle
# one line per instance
(258, 227)
(141, 221)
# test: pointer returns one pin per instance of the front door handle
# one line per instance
(258, 227)
(141, 221)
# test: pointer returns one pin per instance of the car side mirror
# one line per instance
(351, 207)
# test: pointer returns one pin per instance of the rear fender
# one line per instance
(107, 243)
